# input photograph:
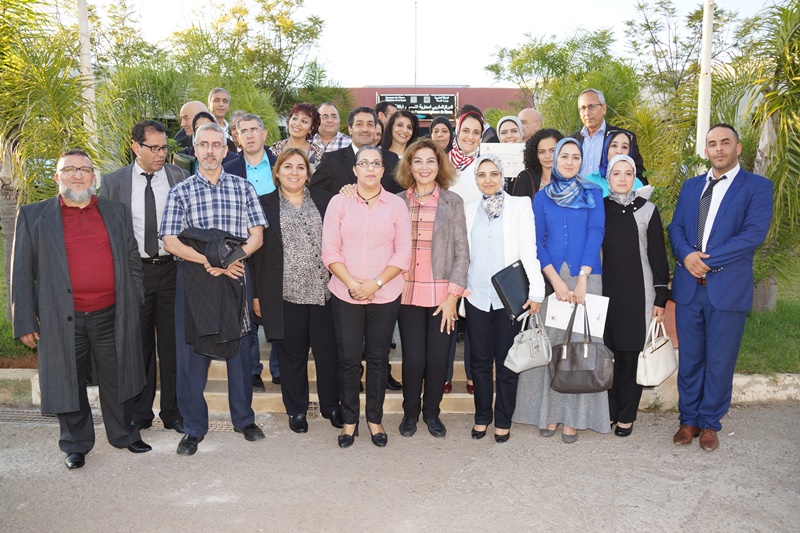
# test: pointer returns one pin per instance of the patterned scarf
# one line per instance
(493, 205)
(572, 193)
(630, 196)
(459, 159)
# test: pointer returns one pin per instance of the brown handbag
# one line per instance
(581, 367)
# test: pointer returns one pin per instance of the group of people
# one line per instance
(327, 240)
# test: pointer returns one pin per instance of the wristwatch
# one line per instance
(583, 273)
(379, 282)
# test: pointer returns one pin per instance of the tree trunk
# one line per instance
(765, 295)
(8, 220)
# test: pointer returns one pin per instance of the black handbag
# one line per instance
(512, 286)
(583, 366)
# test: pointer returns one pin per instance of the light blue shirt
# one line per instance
(486, 249)
(592, 149)
(260, 175)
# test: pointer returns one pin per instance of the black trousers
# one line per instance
(94, 334)
(158, 326)
(625, 393)
(363, 329)
(426, 353)
(491, 335)
(305, 325)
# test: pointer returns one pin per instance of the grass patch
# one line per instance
(10, 348)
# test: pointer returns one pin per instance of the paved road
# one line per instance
(290, 482)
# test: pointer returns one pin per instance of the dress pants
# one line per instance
(305, 325)
(625, 393)
(363, 329)
(193, 373)
(426, 352)
(461, 326)
(710, 341)
(158, 326)
(94, 334)
(491, 335)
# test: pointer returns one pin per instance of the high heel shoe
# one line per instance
(623, 432)
(478, 434)
(500, 439)
(378, 439)
(346, 440)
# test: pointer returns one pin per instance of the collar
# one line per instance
(264, 158)
(732, 173)
(585, 131)
(206, 181)
(137, 170)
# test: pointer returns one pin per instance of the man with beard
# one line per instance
(76, 290)
(143, 186)
(212, 198)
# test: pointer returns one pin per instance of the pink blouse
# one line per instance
(367, 241)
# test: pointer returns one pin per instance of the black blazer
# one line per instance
(637, 157)
(237, 166)
(267, 263)
(336, 170)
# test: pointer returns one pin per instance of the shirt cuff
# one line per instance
(458, 290)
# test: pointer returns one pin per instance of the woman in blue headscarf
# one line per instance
(617, 142)
(570, 225)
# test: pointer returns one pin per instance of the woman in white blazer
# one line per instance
(500, 229)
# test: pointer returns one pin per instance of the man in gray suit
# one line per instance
(143, 187)
(76, 288)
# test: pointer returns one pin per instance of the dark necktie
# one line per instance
(702, 213)
(150, 221)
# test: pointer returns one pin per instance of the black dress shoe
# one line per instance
(143, 424)
(478, 434)
(336, 419)
(393, 384)
(177, 425)
(276, 380)
(435, 426)
(502, 438)
(379, 439)
(139, 447)
(346, 440)
(623, 432)
(251, 432)
(408, 426)
(298, 424)
(75, 460)
(258, 384)
(188, 445)
(392, 344)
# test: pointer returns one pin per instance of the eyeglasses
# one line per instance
(250, 131)
(590, 107)
(71, 171)
(213, 146)
(366, 164)
(155, 149)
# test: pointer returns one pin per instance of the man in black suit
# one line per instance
(592, 108)
(336, 168)
(187, 114)
(149, 176)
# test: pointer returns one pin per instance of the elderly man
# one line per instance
(531, 122)
(212, 198)
(328, 134)
(720, 219)
(143, 187)
(76, 288)
(187, 114)
(592, 109)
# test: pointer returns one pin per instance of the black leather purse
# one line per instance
(583, 366)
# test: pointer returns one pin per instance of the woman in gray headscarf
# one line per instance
(500, 230)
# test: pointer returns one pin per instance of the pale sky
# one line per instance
(371, 42)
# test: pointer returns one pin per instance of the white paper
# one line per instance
(558, 314)
(510, 154)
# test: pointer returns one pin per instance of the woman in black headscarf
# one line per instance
(442, 133)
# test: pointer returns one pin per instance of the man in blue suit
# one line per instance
(720, 219)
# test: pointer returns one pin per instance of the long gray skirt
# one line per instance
(540, 405)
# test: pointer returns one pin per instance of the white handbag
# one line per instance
(657, 361)
(531, 347)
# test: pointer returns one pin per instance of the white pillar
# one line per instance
(86, 66)
(704, 89)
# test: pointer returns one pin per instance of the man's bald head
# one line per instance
(188, 111)
(531, 122)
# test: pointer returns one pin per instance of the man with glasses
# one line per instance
(76, 290)
(143, 187)
(212, 198)
(328, 134)
(255, 164)
(592, 109)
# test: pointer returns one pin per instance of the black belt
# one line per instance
(701, 281)
(160, 260)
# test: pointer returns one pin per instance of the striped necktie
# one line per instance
(702, 213)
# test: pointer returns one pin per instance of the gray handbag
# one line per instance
(583, 366)
(531, 347)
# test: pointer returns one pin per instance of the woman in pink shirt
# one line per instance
(366, 244)
(435, 280)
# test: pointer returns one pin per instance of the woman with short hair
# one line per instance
(302, 125)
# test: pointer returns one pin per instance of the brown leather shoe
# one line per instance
(708, 440)
(685, 434)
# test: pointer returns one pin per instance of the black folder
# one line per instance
(512, 286)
